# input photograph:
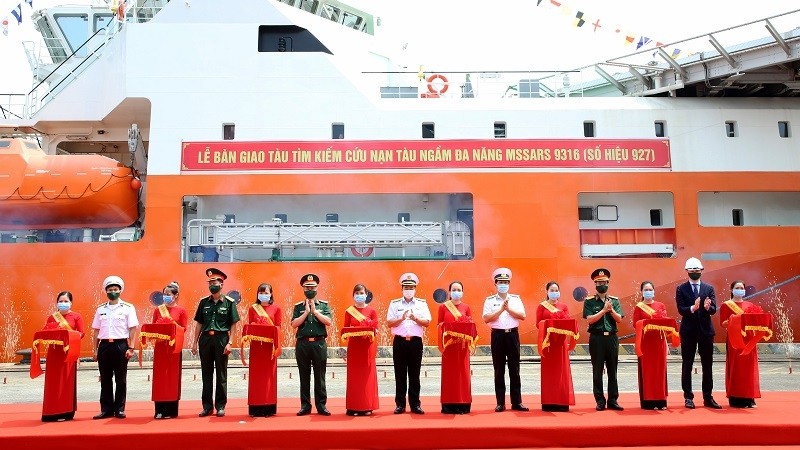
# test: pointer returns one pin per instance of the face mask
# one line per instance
(167, 299)
(456, 295)
(553, 295)
(310, 294)
(264, 297)
(214, 288)
(503, 288)
(408, 294)
(112, 295)
(63, 307)
(602, 289)
(649, 294)
(360, 298)
(738, 293)
(694, 276)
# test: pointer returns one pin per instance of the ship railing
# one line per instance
(12, 106)
(475, 84)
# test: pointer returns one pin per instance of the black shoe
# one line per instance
(399, 410)
(600, 407)
(689, 403)
(417, 410)
(103, 415)
(158, 416)
(615, 406)
(323, 412)
(710, 403)
(304, 412)
(120, 415)
(350, 412)
(752, 404)
(204, 413)
(520, 407)
(499, 408)
(221, 412)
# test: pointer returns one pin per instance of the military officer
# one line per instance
(407, 317)
(503, 312)
(311, 317)
(216, 316)
(603, 312)
(114, 325)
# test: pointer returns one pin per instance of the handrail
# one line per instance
(68, 58)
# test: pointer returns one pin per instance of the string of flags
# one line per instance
(17, 15)
(594, 24)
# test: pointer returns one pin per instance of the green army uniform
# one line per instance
(312, 351)
(215, 320)
(603, 347)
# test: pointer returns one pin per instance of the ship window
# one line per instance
(330, 12)
(428, 130)
(499, 129)
(738, 217)
(101, 21)
(403, 217)
(331, 217)
(783, 129)
(282, 217)
(337, 131)
(588, 129)
(585, 213)
(655, 217)
(730, 128)
(607, 213)
(309, 5)
(75, 29)
(352, 21)
(661, 128)
(228, 131)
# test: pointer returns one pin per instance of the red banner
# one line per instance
(426, 154)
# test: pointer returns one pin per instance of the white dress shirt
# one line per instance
(504, 321)
(408, 327)
(115, 321)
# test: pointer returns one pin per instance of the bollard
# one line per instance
(790, 372)
(148, 377)
(244, 376)
(426, 374)
(4, 378)
(333, 375)
(194, 377)
(384, 374)
(290, 375)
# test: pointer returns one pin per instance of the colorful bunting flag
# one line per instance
(579, 23)
(17, 13)
(642, 42)
(5, 26)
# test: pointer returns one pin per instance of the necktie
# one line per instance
(696, 289)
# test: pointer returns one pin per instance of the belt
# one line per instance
(504, 330)
(407, 338)
(604, 333)
(115, 340)
(311, 338)
(213, 332)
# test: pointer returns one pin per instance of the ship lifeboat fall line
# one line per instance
(438, 84)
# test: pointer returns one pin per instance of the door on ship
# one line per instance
(465, 215)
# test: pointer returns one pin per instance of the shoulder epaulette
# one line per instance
(124, 303)
(102, 305)
(513, 295)
(396, 300)
(420, 299)
(300, 302)
(491, 296)
(322, 301)
(589, 297)
(612, 297)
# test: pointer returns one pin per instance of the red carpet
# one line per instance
(774, 422)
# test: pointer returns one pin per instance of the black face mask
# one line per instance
(694, 276)
(602, 288)
(214, 288)
(310, 294)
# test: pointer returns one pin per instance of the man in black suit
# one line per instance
(696, 303)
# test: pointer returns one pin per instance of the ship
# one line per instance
(272, 139)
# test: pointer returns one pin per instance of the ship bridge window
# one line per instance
(627, 224)
(731, 129)
(588, 129)
(783, 129)
(442, 228)
(101, 21)
(330, 12)
(661, 128)
(499, 129)
(352, 21)
(763, 209)
(337, 131)
(428, 130)
(75, 29)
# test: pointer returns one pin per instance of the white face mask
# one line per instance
(553, 295)
(360, 299)
(502, 288)
(456, 295)
(408, 294)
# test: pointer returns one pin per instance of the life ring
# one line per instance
(435, 77)
(362, 252)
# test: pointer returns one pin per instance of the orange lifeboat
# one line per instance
(40, 191)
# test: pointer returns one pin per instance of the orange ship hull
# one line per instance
(524, 221)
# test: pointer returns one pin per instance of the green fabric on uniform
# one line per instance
(593, 305)
(311, 327)
(217, 316)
